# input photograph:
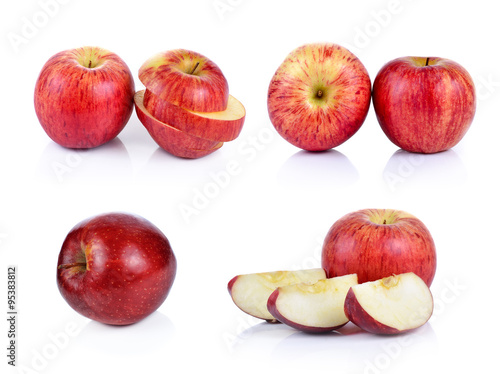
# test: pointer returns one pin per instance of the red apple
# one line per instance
(84, 97)
(171, 139)
(424, 104)
(220, 126)
(376, 243)
(319, 96)
(250, 292)
(312, 307)
(391, 305)
(186, 79)
(115, 268)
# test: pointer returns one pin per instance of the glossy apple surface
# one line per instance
(171, 139)
(186, 79)
(312, 307)
(376, 243)
(84, 97)
(319, 96)
(391, 305)
(220, 126)
(424, 105)
(115, 268)
(250, 292)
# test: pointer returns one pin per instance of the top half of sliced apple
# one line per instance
(222, 126)
(186, 79)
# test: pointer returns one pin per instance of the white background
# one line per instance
(273, 214)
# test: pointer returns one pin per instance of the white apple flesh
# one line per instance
(391, 305)
(250, 292)
(313, 308)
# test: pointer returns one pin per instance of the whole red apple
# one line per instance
(115, 268)
(424, 105)
(84, 97)
(319, 96)
(377, 243)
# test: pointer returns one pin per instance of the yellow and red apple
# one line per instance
(319, 96)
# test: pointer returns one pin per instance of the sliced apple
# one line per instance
(315, 308)
(220, 126)
(174, 141)
(187, 79)
(250, 292)
(391, 305)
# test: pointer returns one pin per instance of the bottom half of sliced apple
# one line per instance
(171, 139)
(312, 307)
(391, 305)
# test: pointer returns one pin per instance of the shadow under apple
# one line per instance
(328, 169)
(439, 170)
(109, 162)
(150, 334)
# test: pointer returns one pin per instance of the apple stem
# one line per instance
(385, 222)
(319, 94)
(90, 64)
(195, 67)
(72, 265)
(427, 62)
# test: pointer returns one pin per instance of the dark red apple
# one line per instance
(424, 104)
(115, 268)
(84, 97)
(377, 243)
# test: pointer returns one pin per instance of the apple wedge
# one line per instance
(186, 79)
(391, 305)
(222, 126)
(174, 141)
(250, 292)
(313, 308)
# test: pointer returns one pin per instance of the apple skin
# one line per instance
(319, 96)
(357, 315)
(186, 79)
(115, 268)
(361, 318)
(424, 105)
(361, 243)
(194, 123)
(171, 139)
(82, 107)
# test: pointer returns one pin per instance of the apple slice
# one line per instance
(315, 308)
(391, 305)
(174, 141)
(186, 79)
(250, 292)
(220, 126)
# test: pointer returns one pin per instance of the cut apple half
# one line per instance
(220, 126)
(170, 138)
(250, 292)
(391, 305)
(314, 308)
